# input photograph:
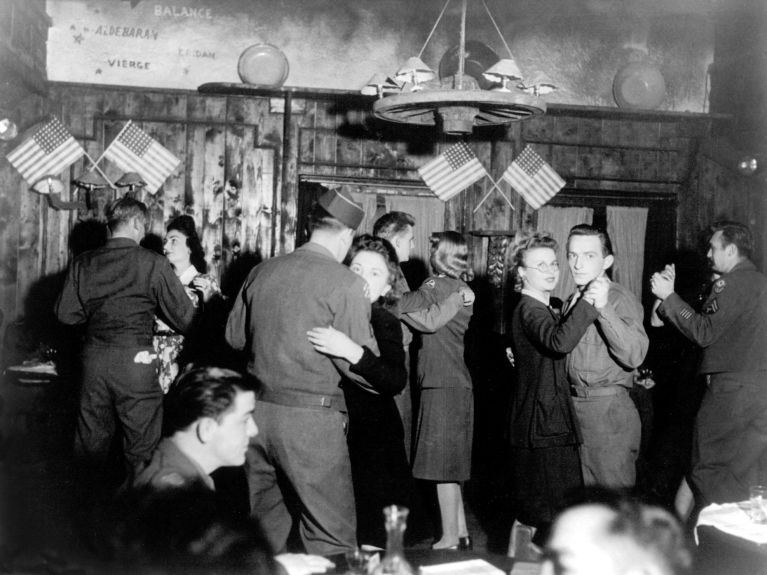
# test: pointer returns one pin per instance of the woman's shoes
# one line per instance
(464, 544)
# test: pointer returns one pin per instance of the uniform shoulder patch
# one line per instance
(431, 284)
(719, 285)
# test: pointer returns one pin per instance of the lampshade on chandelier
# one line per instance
(411, 96)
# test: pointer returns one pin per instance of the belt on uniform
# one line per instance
(309, 400)
(583, 391)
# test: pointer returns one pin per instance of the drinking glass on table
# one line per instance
(758, 503)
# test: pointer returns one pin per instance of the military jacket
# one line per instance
(732, 326)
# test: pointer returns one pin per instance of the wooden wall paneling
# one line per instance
(11, 188)
(641, 134)
(134, 105)
(590, 162)
(240, 141)
(672, 165)
(758, 223)
(280, 131)
(257, 198)
(161, 105)
(564, 159)
(537, 129)
(305, 149)
(241, 137)
(208, 182)
(107, 129)
(454, 212)
(173, 136)
(325, 149)
(484, 217)
(646, 163)
(516, 135)
(610, 132)
(612, 162)
(687, 205)
(499, 215)
(589, 131)
(349, 153)
(94, 104)
(704, 195)
(207, 110)
(285, 203)
(566, 131)
(56, 223)
(493, 214)
(669, 136)
(31, 244)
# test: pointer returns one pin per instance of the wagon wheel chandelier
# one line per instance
(412, 96)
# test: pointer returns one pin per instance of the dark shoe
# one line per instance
(465, 543)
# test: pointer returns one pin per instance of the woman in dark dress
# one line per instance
(380, 472)
(544, 433)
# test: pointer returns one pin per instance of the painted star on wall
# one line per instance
(78, 38)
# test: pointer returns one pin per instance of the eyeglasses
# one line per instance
(543, 267)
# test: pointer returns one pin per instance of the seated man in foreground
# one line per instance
(614, 535)
(170, 516)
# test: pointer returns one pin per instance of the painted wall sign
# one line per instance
(340, 44)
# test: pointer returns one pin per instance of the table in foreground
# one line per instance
(432, 557)
(729, 542)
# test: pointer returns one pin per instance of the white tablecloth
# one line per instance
(733, 518)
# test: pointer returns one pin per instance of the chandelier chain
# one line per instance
(434, 28)
(496, 28)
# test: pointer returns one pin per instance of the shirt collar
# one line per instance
(120, 242)
(188, 275)
(317, 249)
(743, 265)
(536, 296)
(180, 458)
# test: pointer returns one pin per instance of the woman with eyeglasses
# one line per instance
(544, 434)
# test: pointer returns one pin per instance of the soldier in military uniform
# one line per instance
(730, 441)
(170, 517)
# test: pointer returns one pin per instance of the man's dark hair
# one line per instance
(202, 392)
(589, 230)
(736, 234)
(122, 210)
(392, 223)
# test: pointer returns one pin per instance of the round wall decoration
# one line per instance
(639, 85)
(264, 65)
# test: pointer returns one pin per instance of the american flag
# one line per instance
(453, 170)
(47, 152)
(534, 179)
(136, 151)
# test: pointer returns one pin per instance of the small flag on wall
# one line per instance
(533, 179)
(453, 170)
(136, 151)
(47, 152)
